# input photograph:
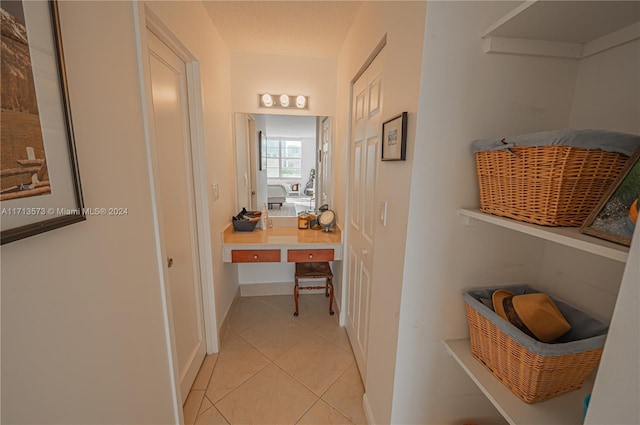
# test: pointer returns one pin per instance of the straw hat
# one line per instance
(534, 314)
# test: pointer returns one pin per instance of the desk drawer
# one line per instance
(309, 255)
(255, 256)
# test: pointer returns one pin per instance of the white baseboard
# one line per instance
(368, 413)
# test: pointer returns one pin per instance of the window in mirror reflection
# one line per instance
(283, 158)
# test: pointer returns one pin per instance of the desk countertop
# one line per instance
(282, 236)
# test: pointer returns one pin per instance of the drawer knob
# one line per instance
(310, 256)
(255, 257)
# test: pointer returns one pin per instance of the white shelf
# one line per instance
(566, 409)
(567, 29)
(569, 236)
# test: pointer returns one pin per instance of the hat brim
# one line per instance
(497, 297)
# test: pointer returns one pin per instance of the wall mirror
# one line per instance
(283, 161)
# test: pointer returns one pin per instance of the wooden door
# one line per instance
(177, 205)
(364, 156)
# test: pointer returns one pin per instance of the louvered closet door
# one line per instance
(365, 153)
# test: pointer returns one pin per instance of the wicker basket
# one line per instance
(532, 370)
(547, 185)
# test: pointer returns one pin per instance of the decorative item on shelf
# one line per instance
(579, 166)
(327, 220)
(394, 138)
(616, 215)
(532, 370)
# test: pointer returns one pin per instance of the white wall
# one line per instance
(465, 94)
(403, 23)
(617, 388)
(252, 74)
(83, 337)
(613, 105)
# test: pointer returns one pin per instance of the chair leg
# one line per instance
(330, 286)
(295, 295)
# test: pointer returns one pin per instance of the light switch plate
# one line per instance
(215, 191)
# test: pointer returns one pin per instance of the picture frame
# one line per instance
(616, 215)
(41, 188)
(394, 138)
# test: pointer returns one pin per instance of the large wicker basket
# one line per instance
(547, 185)
(532, 370)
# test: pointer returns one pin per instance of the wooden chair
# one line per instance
(314, 271)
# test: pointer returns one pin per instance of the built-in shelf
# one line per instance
(566, 29)
(569, 236)
(566, 409)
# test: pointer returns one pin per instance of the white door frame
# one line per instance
(146, 18)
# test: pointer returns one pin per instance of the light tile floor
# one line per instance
(274, 368)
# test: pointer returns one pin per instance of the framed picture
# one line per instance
(40, 184)
(616, 216)
(394, 138)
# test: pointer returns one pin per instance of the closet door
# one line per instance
(365, 148)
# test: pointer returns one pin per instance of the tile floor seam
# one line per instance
(240, 384)
(328, 340)
(307, 411)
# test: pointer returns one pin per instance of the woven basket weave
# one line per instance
(530, 376)
(547, 185)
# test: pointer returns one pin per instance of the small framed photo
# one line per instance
(616, 215)
(394, 138)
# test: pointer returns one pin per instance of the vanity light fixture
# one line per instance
(267, 100)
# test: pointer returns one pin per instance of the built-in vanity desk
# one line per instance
(266, 258)
(281, 245)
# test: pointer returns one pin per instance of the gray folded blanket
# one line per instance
(609, 141)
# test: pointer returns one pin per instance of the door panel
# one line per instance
(365, 138)
(356, 185)
(368, 189)
(364, 292)
(177, 203)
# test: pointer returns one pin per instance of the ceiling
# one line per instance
(292, 28)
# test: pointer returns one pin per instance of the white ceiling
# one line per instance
(292, 28)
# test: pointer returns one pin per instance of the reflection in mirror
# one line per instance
(283, 161)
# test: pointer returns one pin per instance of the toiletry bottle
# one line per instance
(264, 217)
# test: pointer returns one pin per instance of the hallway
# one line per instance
(276, 369)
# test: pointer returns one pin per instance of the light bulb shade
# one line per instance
(267, 100)
(284, 100)
(301, 101)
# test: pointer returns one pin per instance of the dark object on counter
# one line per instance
(246, 221)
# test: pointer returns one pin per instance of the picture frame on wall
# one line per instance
(616, 215)
(40, 184)
(394, 138)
